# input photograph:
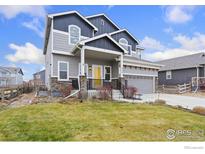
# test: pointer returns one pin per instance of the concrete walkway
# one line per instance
(174, 100)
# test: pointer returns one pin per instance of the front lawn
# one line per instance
(97, 121)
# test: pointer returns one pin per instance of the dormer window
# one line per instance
(74, 34)
(124, 43)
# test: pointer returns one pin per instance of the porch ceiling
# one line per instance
(99, 55)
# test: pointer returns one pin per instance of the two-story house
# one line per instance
(10, 76)
(96, 52)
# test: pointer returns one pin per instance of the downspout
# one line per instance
(197, 81)
(78, 83)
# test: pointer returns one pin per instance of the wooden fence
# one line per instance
(11, 92)
(175, 89)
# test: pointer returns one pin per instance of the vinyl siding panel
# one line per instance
(61, 42)
(130, 40)
(62, 23)
(48, 62)
(74, 65)
(178, 76)
(104, 43)
(141, 71)
(108, 27)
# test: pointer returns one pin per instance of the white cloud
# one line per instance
(168, 30)
(27, 53)
(10, 12)
(150, 43)
(35, 25)
(110, 6)
(179, 14)
(197, 42)
(187, 46)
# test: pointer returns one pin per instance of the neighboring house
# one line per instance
(181, 70)
(39, 78)
(10, 76)
(96, 52)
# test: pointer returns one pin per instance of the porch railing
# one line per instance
(94, 84)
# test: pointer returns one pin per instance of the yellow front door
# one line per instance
(97, 76)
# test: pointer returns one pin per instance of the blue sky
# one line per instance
(164, 31)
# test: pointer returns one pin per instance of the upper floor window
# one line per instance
(124, 43)
(74, 34)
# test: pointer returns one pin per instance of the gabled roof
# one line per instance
(190, 61)
(125, 30)
(102, 14)
(101, 36)
(73, 12)
(12, 69)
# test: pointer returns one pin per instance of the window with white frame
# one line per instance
(107, 73)
(168, 75)
(74, 34)
(63, 70)
(79, 69)
(124, 43)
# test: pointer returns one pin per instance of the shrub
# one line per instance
(199, 110)
(130, 92)
(160, 102)
(105, 92)
(65, 90)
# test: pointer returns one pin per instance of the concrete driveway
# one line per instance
(174, 100)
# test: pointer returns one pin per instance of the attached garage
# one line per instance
(145, 85)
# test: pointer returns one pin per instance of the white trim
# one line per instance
(121, 30)
(94, 65)
(51, 67)
(59, 71)
(153, 84)
(110, 72)
(60, 31)
(79, 36)
(135, 74)
(71, 12)
(142, 62)
(140, 65)
(102, 14)
(101, 36)
(62, 52)
(103, 50)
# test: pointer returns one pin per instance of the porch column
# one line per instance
(82, 77)
(121, 66)
(82, 62)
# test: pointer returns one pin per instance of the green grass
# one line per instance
(94, 121)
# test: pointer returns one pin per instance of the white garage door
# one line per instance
(143, 84)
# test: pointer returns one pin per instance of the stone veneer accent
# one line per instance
(83, 87)
(57, 85)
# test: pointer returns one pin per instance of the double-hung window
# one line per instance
(168, 75)
(107, 73)
(74, 34)
(63, 71)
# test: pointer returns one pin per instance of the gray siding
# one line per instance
(61, 43)
(48, 62)
(108, 27)
(62, 23)
(178, 76)
(140, 71)
(74, 65)
(130, 40)
(104, 43)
